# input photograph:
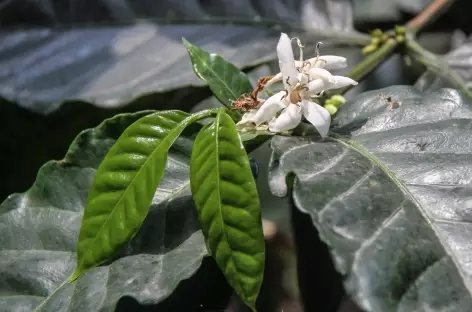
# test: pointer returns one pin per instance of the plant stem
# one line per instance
(369, 64)
(429, 14)
(437, 65)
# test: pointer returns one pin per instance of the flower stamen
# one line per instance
(301, 46)
(287, 81)
(317, 49)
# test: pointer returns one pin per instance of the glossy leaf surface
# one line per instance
(459, 59)
(124, 185)
(227, 202)
(225, 80)
(39, 231)
(133, 48)
(392, 199)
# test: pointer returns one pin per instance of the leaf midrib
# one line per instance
(351, 143)
(209, 68)
(216, 137)
(153, 153)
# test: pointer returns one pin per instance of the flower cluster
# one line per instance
(303, 81)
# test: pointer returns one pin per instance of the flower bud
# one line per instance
(331, 109)
(385, 37)
(400, 38)
(369, 48)
(338, 100)
(330, 101)
(400, 30)
(377, 33)
(375, 40)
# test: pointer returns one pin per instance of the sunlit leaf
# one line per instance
(39, 231)
(228, 206)
(125, 183)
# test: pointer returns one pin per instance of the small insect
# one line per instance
(392, 103)
(421, 145)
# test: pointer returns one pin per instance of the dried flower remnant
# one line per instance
(247, 102)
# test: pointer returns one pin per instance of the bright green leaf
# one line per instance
(225, 80)
(228, 206)
(39, 231)
(124, 185)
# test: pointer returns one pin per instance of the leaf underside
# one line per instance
(393, 199)
(228, 206)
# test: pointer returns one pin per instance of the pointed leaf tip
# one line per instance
(228, 207)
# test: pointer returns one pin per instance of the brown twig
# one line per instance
(426, 16)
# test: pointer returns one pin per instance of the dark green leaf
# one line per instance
(393, 199)
(124, 185)
(227, 202)
(39, 231)
(412, 6)
(114, 59)
(225, 80)
(248, 136)
(382, 10)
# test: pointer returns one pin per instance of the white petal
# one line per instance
(287, 61)
(341, 81)
(248, 117)
(270, 108)
(303, 78)
(320, 73)
(274, 79)
(287, 120)
(317, 115)
(299, 63)
(315, 87)
(318, 85)
(327, 62)
(333, 62)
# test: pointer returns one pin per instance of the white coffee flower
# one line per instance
(291, 117)
(301, 84)
(317, 63)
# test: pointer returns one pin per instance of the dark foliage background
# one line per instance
(58, 77)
